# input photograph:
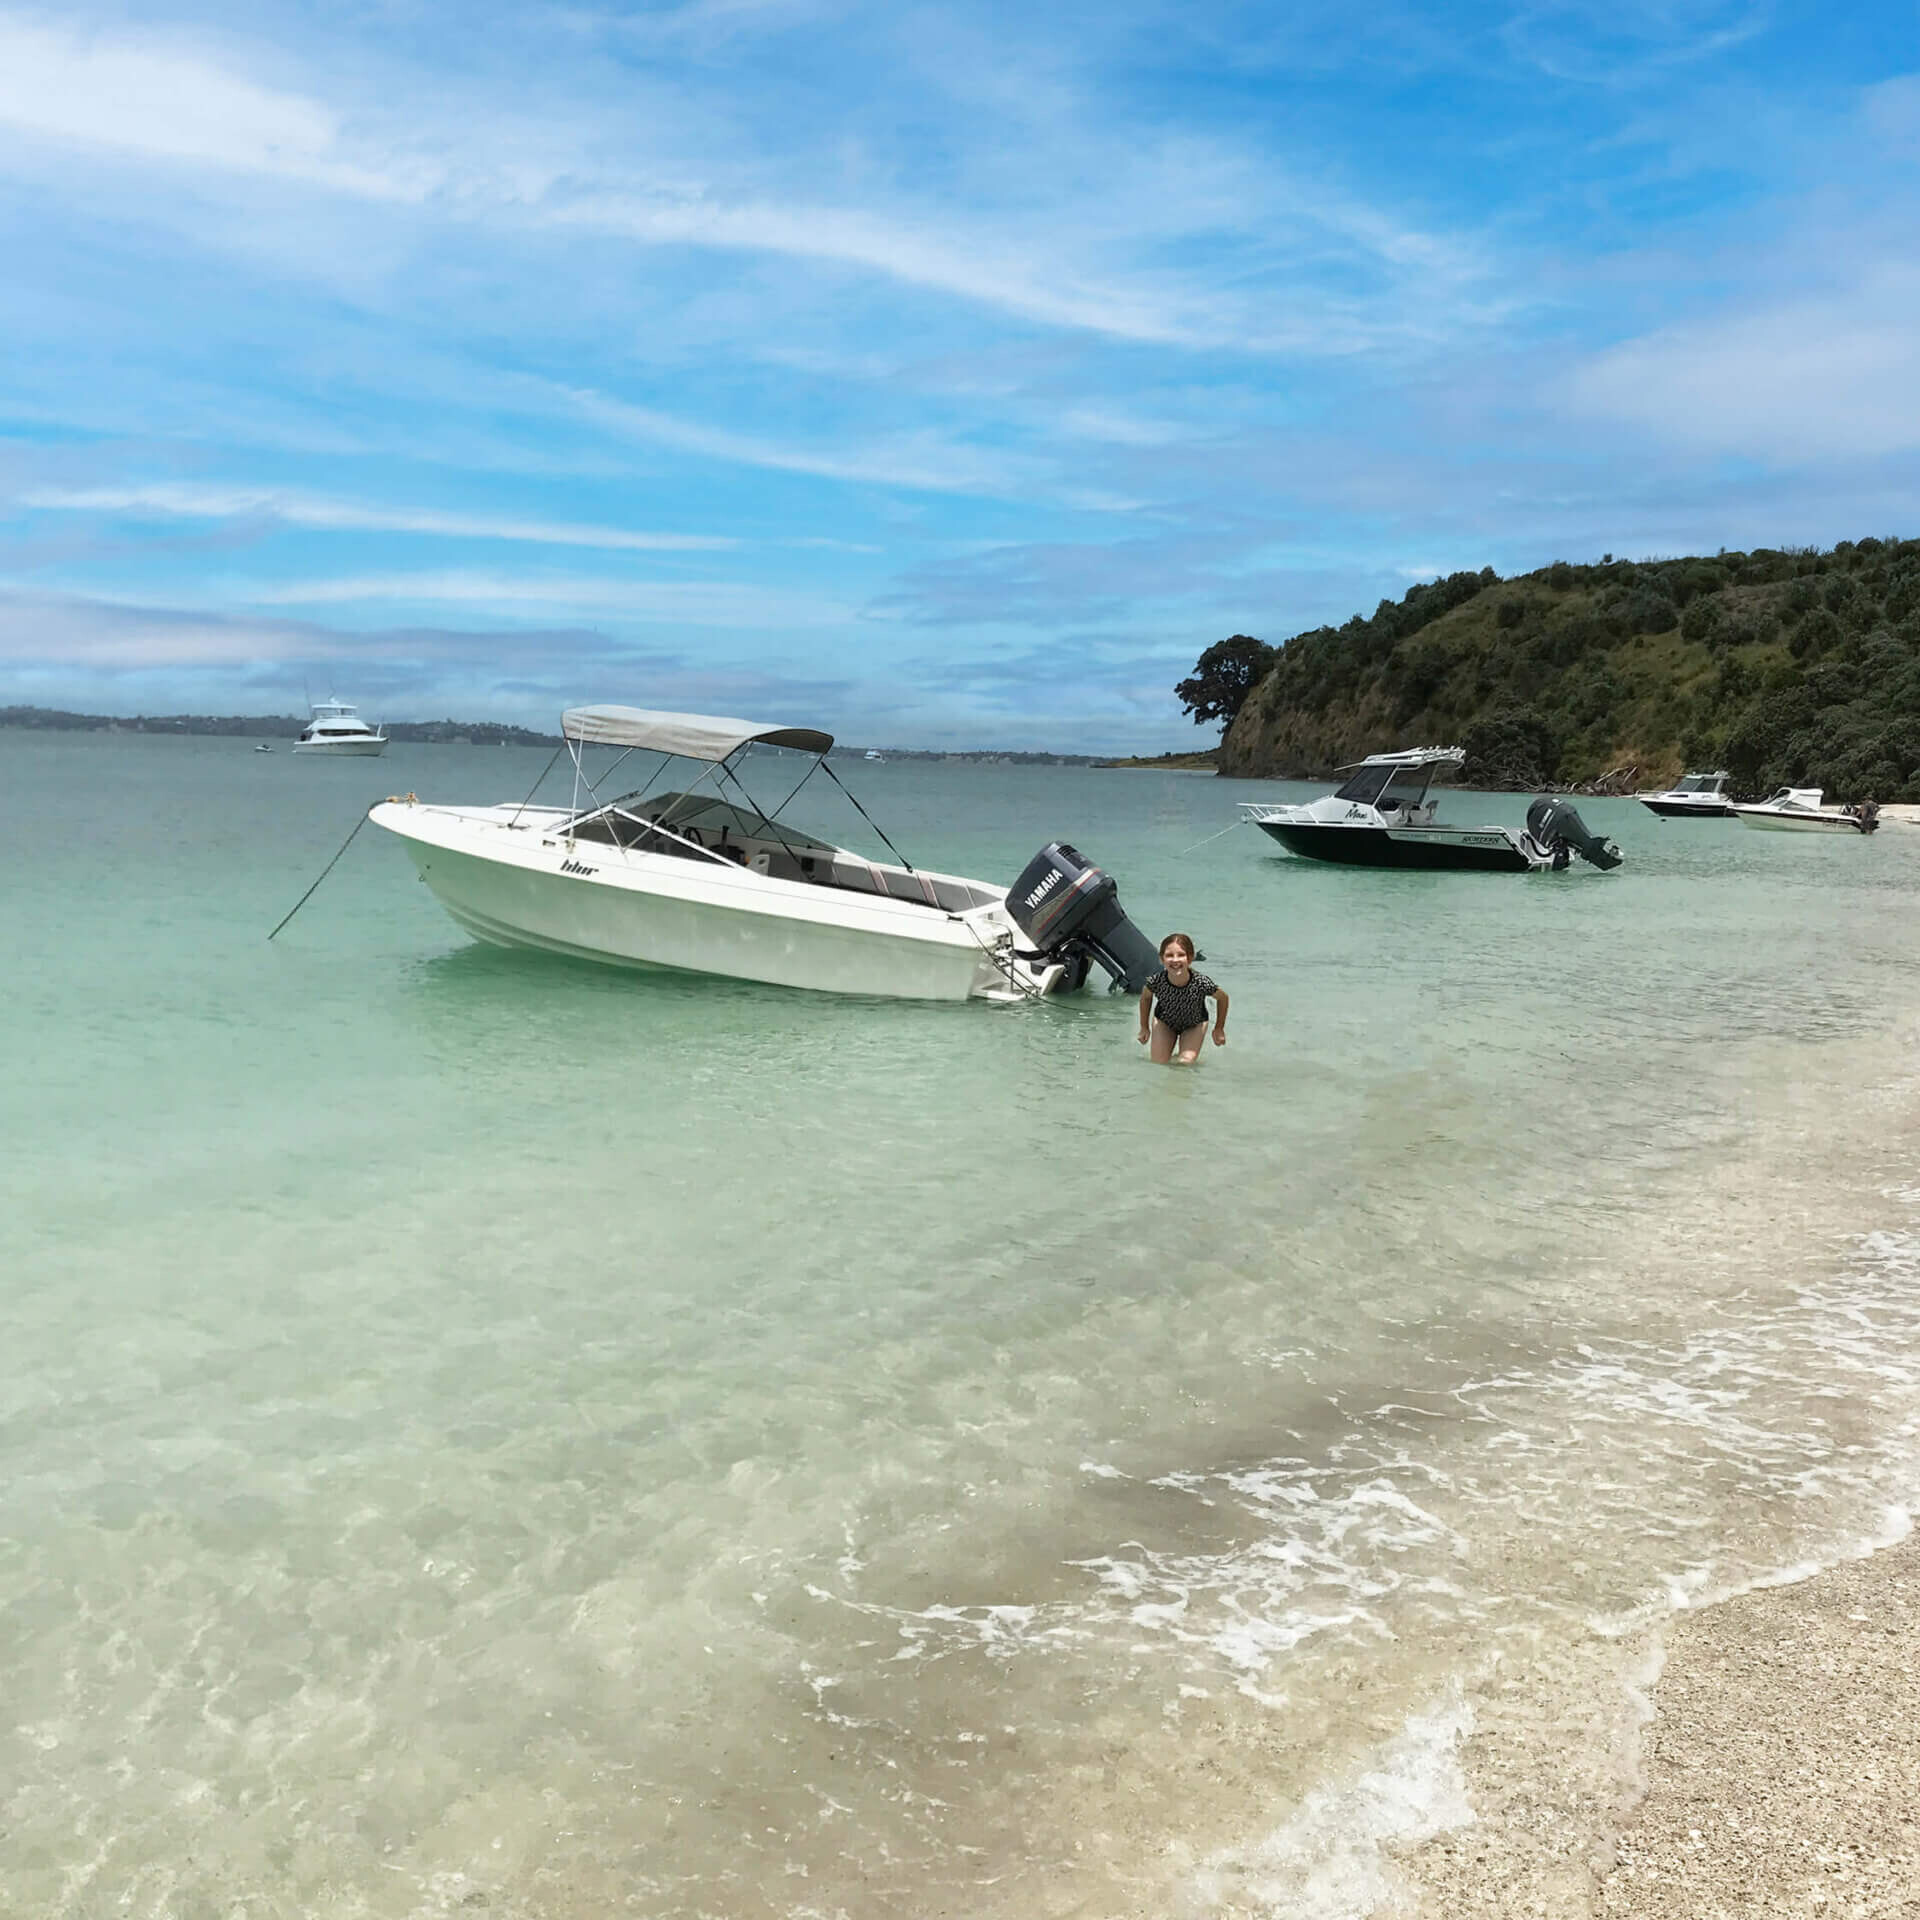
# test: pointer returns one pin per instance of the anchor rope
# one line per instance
(331, 864)
(1210, 839)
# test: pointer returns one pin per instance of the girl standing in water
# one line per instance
(1175, 1001)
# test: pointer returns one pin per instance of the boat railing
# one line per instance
(645, 831)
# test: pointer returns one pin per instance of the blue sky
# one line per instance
(941, 376)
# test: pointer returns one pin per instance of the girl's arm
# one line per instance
(1220, 1017)
(1146, 1009)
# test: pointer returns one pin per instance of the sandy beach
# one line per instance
(1774, 1769)
(1783, 1760)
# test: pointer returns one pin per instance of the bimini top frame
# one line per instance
(693, 736)
(687, 736)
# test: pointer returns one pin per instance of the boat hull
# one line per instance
(1799, 822)
(522, 888)
(1452, 849)
(1680, 810)
(342, 749)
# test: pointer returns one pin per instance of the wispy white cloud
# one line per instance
(1621, 43)
(142, 96)
(1891, 110)
(923, 461)
(1080, 259)
(987, 267)
(72, 631)
(714, 603)
(1832, 376)
(190, 501)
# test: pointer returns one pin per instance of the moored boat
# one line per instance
(336, 730)
(1803, 810)
(1695, 796)
(705, 881)
(1383, 817)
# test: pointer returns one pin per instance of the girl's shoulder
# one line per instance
(1205, 982)
(1157, 980)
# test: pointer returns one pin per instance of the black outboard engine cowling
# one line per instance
(1554, 824)
(1070, 910)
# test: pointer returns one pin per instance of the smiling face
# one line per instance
(1177, 957)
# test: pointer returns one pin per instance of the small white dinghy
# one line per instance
(1802, 810)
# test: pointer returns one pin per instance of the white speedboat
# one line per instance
(337, 729)
(1698, 796)
(702, 880)
(1803, 810)
(1382, 817)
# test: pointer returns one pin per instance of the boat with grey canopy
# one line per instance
(701, 879)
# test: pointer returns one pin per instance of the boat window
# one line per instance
(1365, 785)
(1407, 788)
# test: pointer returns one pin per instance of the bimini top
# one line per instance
(692, 736)
(1410, 757)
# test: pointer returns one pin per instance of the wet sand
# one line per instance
(1768, 1764)
(1783, 1761)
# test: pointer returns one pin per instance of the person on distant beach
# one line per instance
(1173, 1006)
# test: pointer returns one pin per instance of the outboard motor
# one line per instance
(1070, 910)
(1556, 827)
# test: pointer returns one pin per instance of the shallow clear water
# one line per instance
(476, 1428)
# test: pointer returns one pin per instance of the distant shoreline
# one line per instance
(265, 726)
(474, 733)
(1208, 762)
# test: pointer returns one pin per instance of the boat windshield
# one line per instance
(1701, 783)
(1365, 785)
(1385, 787)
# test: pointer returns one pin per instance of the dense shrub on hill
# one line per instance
(1786, 666)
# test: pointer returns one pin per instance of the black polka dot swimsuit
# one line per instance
(1181, 1008)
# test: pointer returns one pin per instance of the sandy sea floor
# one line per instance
(476, 1433)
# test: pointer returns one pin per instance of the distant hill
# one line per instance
(271, 726)
(1795, 667)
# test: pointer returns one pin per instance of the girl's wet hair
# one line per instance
(1185, 939)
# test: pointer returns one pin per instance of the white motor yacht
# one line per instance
(337, 729)
(1803, 810)
(1698, 796)
(1382, 817)
(702, 880)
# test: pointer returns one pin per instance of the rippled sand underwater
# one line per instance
(476, 1429)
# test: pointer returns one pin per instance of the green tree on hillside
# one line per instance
(1513, 748)
(1222, 678)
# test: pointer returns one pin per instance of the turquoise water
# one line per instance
(480, 1429)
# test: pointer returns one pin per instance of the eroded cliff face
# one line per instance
(1270, 740)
